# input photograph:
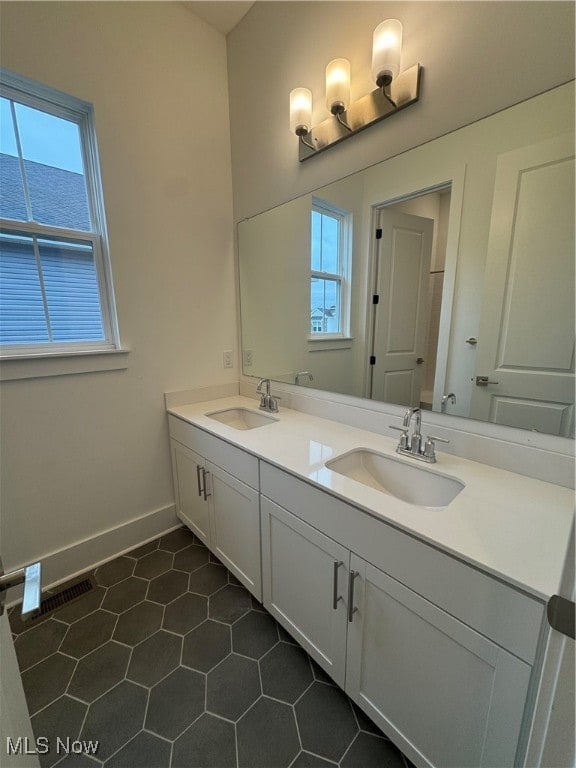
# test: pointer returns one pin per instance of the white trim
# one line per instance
(59, 363)
(70, 561)
(329, 342)
(22, 85)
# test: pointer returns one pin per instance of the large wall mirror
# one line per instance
(443, 277)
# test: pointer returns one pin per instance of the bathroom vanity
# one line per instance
(430, 616)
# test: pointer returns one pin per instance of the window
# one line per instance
(330, 271)
(55, 285)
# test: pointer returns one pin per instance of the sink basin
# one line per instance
(241, 418)
(414, 484)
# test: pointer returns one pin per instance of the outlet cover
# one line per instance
(228, 359)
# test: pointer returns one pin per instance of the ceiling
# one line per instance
(221, 15)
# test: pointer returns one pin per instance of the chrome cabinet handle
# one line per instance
(335, 597)
(31, 578)
(351, 609)
(204, 492)
(198, 470)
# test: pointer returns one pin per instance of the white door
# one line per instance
(401, 316)
(526, 336)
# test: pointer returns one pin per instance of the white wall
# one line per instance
(478, 58)
(86, 453)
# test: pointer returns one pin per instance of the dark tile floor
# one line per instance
(169, 661)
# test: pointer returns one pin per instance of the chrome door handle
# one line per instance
(198, 470)
(482, 381)
(351, 609)
(335, 597)
(30, 576)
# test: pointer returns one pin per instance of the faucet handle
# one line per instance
(437, 439)
(403, 444)
(430, 446)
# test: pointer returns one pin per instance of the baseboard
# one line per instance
(82, 556)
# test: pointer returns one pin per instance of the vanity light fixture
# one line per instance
(395, 91)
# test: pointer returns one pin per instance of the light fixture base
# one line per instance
(337, 108)
(370, 109)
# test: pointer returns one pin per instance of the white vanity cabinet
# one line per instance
(191, 506)
(432, 683)
(305, 574)
(447, 693)
(216, 487)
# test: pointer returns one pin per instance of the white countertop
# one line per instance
(509, 525)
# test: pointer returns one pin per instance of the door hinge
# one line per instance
(379, 234)
(372, 359)
(375, 299)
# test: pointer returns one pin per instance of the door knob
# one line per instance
(482, 381)
(30, 576)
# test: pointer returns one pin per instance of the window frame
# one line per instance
(38, 96)
(343, 276)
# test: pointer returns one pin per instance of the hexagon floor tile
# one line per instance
(185, 613)
(206, 646)
(169, 663)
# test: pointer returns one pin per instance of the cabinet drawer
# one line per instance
(507, 616)
(235, 461)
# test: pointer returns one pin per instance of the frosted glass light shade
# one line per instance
(300, 111)
(386, 50)
(338, 85)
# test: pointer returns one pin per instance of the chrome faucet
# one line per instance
(303, 373)
(411, 444)
(415, 439)
(267, 402)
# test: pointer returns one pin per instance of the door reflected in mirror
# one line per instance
(410, 258)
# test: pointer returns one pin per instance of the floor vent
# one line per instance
(66, 595)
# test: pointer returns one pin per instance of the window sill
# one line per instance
(321, 344)
(62, 364)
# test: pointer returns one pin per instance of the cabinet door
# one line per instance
(304, 572)
(191, 507)
(445, 694)
(235, 527)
